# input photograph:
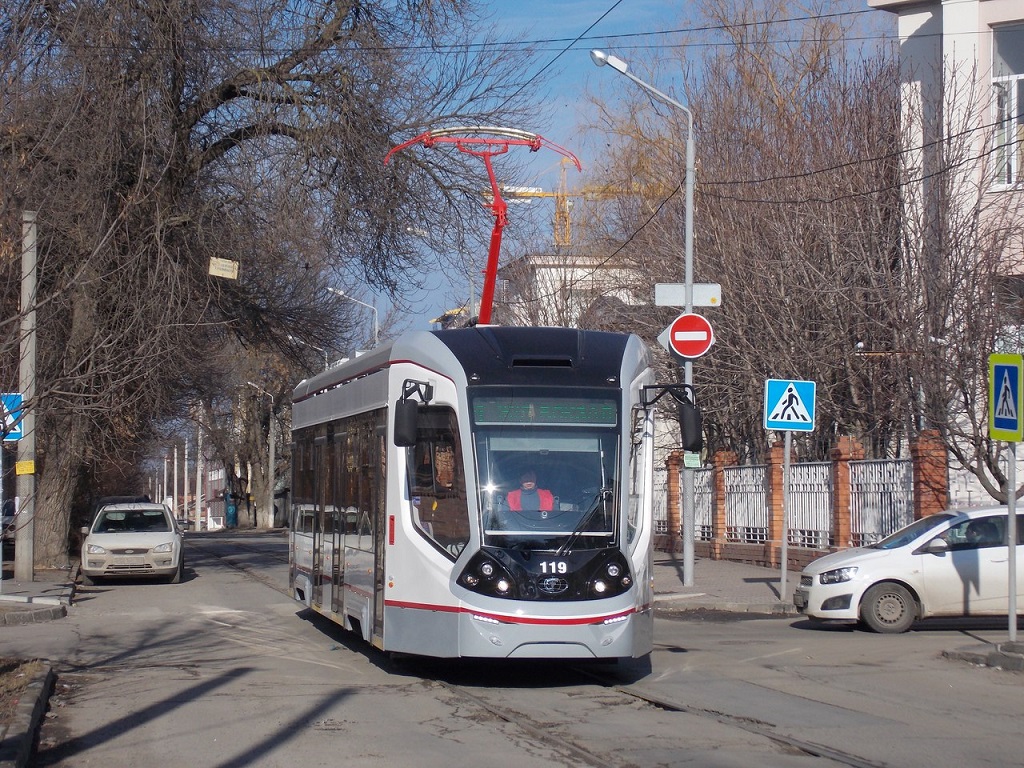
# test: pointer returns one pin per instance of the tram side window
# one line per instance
(361, 472)
(303, 508)
(637, 476)
(437, 481)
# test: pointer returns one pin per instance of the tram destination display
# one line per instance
(518, 409)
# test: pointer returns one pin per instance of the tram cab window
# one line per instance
(437, 484)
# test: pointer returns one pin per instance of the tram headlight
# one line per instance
(611, 577)
(485, 575)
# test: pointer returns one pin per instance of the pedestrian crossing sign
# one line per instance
(1005, 405)
(789, 405)
(10, 415)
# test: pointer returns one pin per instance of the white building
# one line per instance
(962, 83)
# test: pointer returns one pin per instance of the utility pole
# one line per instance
(199, 478)
(24, 542)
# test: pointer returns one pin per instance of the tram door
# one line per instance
(336, 540)
(377, 491)
(322, 484)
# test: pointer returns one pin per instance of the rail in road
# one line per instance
(610, 716)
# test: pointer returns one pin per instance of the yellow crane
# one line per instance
(563, 198)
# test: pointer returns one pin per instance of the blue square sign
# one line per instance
(10, 414)
(789, 405)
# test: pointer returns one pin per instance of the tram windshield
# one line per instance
(547, 467)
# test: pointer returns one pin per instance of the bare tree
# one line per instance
(796, 217)
(153, 137)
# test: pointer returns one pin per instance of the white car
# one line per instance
(949, 564)
(132, 540)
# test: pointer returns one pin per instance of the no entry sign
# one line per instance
(689, 336)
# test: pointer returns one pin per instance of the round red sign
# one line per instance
(690, 335)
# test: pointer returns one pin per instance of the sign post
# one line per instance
(789, 407)
(1006, 422)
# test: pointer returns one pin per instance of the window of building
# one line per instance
(1008, 98)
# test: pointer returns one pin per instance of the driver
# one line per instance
(528, 497)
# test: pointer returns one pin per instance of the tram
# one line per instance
(406, 524)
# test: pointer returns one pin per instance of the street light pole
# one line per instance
(600, 58)
(321, 350)
(372, 308)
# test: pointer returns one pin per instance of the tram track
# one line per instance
(209, 547)
(557, 736)
(756, 727)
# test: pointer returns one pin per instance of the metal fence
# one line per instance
(746, 504)
(881, 499)
(659, 500)
(704, 508)
(810, 505)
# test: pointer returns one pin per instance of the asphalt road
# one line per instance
(224, 670)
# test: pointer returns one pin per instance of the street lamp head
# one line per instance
(600, 58)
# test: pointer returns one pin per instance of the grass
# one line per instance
(15, 675)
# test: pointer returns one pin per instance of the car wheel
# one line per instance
(88, 580)
(176, 577)
(888, 608)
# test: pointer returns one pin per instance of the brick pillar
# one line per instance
(847, 449)
(719, 462)
(776, 460)
(673, 464)
(931, 473)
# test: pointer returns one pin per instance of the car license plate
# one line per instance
(800, 599)
(129, 560)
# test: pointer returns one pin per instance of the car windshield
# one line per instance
(134, 520)
(910, 533)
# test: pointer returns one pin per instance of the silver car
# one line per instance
(132, 540)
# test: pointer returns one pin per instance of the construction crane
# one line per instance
(563, 198)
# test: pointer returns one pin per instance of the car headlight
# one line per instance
(95, 549)
(168, 547)
(838, 576)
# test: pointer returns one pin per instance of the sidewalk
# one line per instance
(721, 585)
(45, 598)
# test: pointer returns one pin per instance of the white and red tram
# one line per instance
(404, 456)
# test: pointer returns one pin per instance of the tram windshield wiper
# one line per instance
(600, 498)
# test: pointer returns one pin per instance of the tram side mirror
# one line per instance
(691, 425)
(406, 417)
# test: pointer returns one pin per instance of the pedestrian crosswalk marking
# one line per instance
(790, 407)
(1006, 404)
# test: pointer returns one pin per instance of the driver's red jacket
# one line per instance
(547, 500)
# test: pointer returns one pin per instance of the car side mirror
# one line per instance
(85, 530)
(936, 547)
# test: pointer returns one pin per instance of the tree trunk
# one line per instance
(64, 448)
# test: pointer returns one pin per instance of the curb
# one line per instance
(675, 607)
(19, 739)
(1001, 656)
(33, 615)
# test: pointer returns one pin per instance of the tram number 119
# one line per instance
(554, 566)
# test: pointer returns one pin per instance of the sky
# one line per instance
(567, 62)
(564, 32)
